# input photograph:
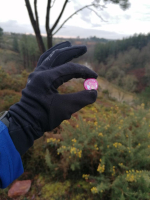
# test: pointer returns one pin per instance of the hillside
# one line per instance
(125, 62)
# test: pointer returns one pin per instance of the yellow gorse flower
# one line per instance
(113, 173)
(95, 123)
(53, 140)
(101, 168)
(66, 122)
(130, 177)
(100, 134)
(86, 176)
(96, 146)
(133, 175)
(74, 140)
(80, 154)
(94, 190)
(117, 144)
(75, 151)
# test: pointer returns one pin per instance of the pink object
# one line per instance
(19, 188)
(90, 84)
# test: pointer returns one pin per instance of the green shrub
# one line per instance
(10, 88)
(8, 98)
(56, 190)
(16, 83)
(143, 97)
(5, 80)
(105, 92)
(111, 153)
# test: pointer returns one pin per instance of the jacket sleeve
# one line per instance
(11, 166)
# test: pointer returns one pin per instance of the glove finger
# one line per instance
(65, 72)
(49, 51)
(63, 106)
(62, 56)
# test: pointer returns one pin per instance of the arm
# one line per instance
(10, 160)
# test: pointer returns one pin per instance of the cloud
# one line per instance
(106, 15)
(67, 31)
(96, 25)
(85, 15)
(126, 16)
(14, 26)
(117, 19)
(84, 33)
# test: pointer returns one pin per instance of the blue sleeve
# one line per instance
(10, 160)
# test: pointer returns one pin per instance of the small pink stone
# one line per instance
(19, 188)
(90, 84)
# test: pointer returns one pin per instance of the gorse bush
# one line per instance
(110, 151)
(8, 98)
(143, 97)
(10, 88)
(16, 83)
(5, 80)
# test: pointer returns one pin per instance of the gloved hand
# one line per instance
(41, 107)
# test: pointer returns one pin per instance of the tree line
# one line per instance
(21, 49)
(25, 52)
(126, 62)
(112, 48)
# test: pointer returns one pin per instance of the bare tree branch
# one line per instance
(36, 13)
(30, 13)
(35, 24)
(63, 8)
(48, 15)
(87, 6)
(97, 14)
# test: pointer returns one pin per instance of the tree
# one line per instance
(15, 44)
(1, 34)
(51, 31)
(29, 51)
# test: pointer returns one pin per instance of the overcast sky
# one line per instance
(119, 23)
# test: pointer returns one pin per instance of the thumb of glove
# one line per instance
(63, 106)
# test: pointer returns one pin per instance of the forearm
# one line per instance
(10, 161)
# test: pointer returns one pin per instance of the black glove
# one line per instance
(41, 108)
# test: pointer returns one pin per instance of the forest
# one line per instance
(126, 62)
(102, 152)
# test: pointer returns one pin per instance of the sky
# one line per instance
(116, 23)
